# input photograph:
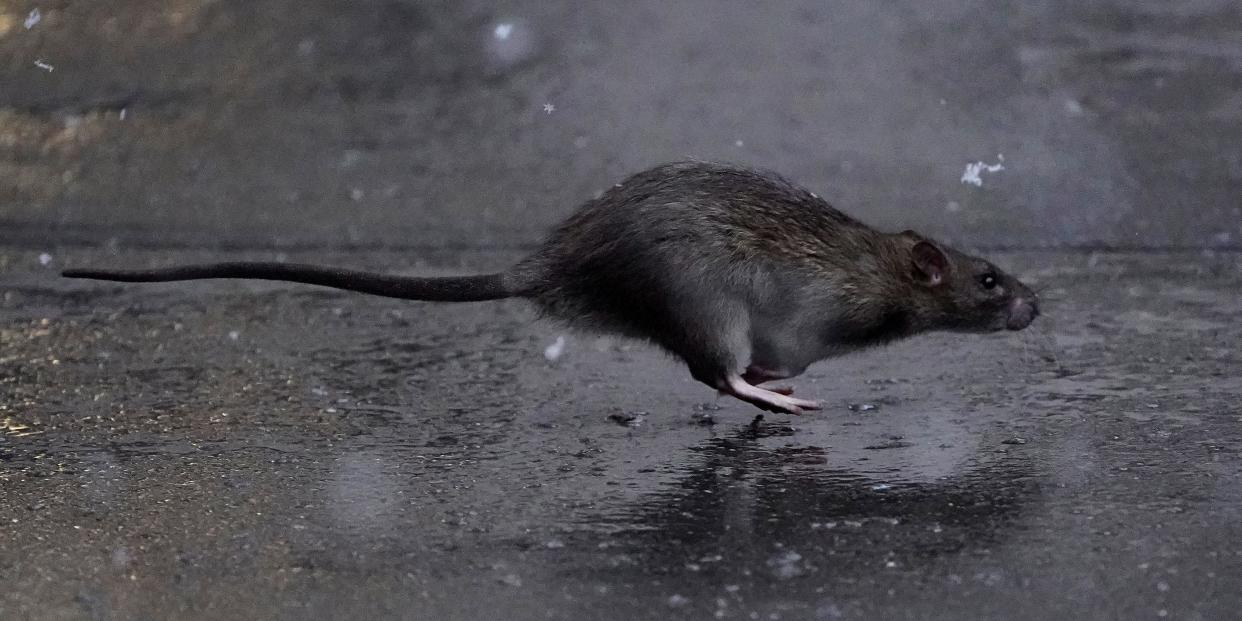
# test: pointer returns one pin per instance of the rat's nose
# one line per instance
(1021, 313)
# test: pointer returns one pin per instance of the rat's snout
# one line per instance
(1022, 311)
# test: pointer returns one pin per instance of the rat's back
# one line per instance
(684, 234)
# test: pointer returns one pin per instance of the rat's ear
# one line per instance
(931, 264)
(911, 234)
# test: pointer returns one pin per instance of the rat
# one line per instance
(745, 276)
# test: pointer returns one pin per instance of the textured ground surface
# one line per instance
(230, 450)
(215, 451)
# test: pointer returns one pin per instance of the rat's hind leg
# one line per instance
(715, 342)
(770, 400)
(780, 350)
(756, 375)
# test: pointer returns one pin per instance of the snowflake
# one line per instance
(971, 175)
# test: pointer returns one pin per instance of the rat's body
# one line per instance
(743, 275)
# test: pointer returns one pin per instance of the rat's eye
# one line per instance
(988, 281)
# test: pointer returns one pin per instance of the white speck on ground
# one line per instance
(971, 175)
(234, 335)
(350, 157)
(548, 108)
(33, 18)
(45, 259)
(786, 565)
(678, 600)
(510, 43)
(555, 350)
(124, 112)
(739, 143)
(42, 64)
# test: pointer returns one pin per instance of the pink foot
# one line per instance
(757, 375)
(770, 400)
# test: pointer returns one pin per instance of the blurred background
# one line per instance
(318, 123)
(235, 450)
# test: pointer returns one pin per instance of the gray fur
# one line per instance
(690, 255)
(738, 272)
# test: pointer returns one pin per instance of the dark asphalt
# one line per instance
(256, 451)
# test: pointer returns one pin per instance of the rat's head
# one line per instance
(962, 293)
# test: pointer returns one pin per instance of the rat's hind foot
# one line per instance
(755, 375)
(770, 400)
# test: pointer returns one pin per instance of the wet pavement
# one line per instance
(229, 450)
(243, 450)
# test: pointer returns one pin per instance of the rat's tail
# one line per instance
(443, 289)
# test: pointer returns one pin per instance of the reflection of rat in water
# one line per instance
(746, 277)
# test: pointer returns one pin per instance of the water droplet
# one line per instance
(510, 43)
(786, 565)
(554, 351)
